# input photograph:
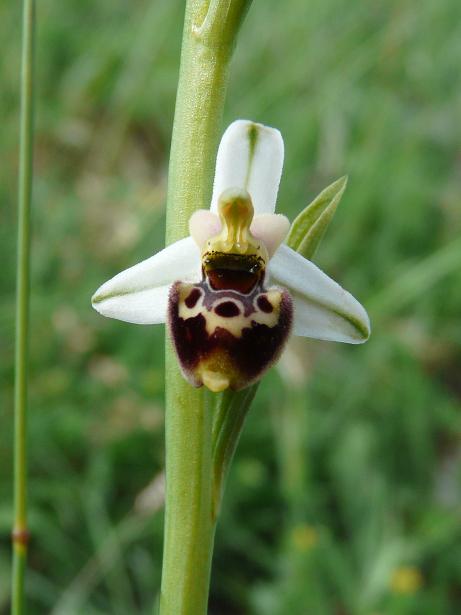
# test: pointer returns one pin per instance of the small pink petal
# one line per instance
(203, 224)
(271, 229)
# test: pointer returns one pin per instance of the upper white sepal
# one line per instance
(250, 156)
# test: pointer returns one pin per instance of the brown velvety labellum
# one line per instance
(227, 339)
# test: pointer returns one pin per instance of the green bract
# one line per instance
(310, 225)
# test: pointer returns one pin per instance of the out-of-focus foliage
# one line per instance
(344, 497)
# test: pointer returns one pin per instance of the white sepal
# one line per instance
(323, 310)
(250, 156)
(140, 294)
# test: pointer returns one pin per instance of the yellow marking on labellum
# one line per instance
(215, 381)
(272, 298)
(228, 313)
(237, 324)
(217, 371)
(184, 310)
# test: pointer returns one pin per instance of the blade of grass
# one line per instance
(20, 531)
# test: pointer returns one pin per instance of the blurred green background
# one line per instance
(345, 494)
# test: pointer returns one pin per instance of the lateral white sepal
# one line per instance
(140, 294)
(323, 310)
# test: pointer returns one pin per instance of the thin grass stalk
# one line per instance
(20, 534)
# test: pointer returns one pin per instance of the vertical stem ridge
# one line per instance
(20, 532)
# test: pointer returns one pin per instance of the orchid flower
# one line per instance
(227, 326)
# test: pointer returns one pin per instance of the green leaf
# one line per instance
(231, 408)
(310, 225)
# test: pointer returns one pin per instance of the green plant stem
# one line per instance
(20, 531)
(210, 29)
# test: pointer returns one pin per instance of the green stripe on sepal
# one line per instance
(310, 225)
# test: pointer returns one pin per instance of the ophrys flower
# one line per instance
(213, 288)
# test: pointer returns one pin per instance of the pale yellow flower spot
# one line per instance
(406, 580)
(304, 537)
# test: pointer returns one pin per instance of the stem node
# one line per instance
(20, 537)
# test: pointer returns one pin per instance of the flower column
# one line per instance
(210, 29)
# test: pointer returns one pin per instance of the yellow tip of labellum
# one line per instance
(215, 381)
